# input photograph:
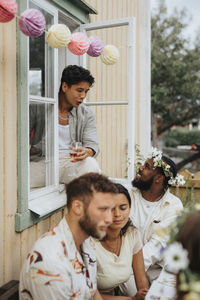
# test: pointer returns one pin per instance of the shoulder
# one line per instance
(84, 109)
(133, 190)
(56, 236)
(172, 200)
(133, 239)
(132, 233)
(134, 194)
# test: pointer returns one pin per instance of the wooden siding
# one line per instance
(15, 246)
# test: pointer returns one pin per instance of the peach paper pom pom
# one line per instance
(79, 43)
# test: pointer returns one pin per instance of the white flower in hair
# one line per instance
(156, 154)
(176, 257)
(178, 180)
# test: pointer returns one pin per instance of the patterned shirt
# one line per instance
(54, 269)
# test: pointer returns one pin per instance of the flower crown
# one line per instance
(158, 162)
(176, 258)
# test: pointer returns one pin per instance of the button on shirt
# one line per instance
(54, 269)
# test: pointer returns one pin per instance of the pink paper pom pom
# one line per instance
(8, 10)
(79, 43)
(96, 46)
(32, 22)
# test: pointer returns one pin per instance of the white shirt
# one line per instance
(64, 138)
(144, 210)
(113, 270)
(163, 214)
(54, 269)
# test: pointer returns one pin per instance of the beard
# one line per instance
(142, 185)
(90, 226)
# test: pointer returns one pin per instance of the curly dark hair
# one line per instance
(74, 74)
(83, 188)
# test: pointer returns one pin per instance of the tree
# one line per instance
(175, 67)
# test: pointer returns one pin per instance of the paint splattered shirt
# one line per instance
(54, 269)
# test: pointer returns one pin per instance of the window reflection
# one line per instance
(41, 61)
(41, 135)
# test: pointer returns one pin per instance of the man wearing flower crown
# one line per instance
(153, 208)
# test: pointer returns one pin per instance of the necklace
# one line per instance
(116, 248)
(63, 119)
(156, 199)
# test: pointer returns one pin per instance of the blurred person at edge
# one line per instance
(189, 237)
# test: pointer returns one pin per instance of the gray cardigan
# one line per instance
(82, 126)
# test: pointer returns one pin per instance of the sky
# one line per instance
(193, 8)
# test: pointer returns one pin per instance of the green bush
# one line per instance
(177, 137)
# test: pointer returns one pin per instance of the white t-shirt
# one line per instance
(113, 270)
(145, 209)
(64, 138)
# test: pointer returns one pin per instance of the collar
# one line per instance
(87, 247)
(165, 200)
(73, 111)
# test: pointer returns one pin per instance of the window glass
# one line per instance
(111, 108)
(41, 61)
(41, 133)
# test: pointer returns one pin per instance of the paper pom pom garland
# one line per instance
(96, 46)
(79, 43)
(32, 22)
(58, 36)
(110, 55)
(8, 10)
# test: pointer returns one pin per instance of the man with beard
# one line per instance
(62, 264)
(153, 208)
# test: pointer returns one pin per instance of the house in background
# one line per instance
(30, 74)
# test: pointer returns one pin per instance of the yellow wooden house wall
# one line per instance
(14, 246)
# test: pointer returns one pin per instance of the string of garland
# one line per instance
(32, 23)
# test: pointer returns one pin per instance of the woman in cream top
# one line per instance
(119, 254)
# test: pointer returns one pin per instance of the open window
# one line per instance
(114, 95)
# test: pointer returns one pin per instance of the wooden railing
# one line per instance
(191, 190)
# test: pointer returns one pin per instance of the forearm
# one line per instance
(139, 271)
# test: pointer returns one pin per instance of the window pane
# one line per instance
(111, 93)
(41, 60)
(41, 133)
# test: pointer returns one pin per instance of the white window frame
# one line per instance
(130, 22)
(45, 200)
(48, 200)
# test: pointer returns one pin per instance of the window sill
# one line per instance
(39, 209)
